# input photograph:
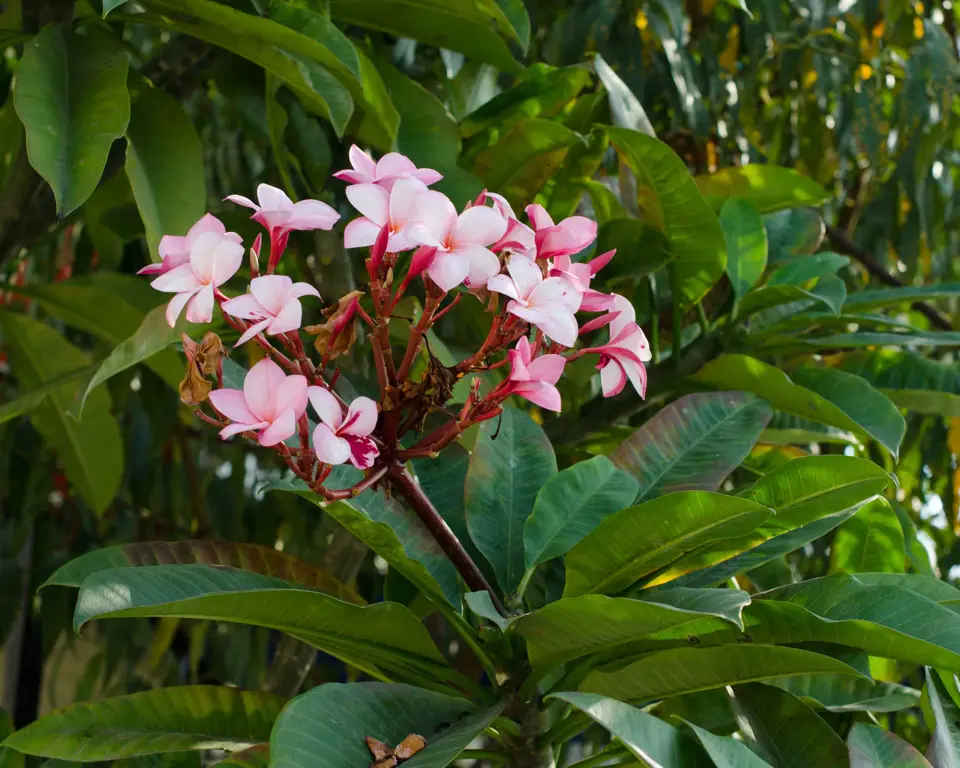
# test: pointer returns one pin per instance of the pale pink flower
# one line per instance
(214, 259)
(535, 380)
(338, 439)
(570, 236)
(386, 172)
(499, 202)
(461, 242)
(381, 208)
(270, 403)
(622, 358)
(579, 275)
(548, 304)
(273, 303)
(518, 238)
(175, 249)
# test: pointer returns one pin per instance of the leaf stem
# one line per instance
(466, 632)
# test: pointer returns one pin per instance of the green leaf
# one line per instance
(162, 720)
(91, 452)
(573, 627)
(326, 727)
(890, 297)
(482, 604)
(646, 245)
(647, 737)
(109, 5)
(71, 94)
(571, 504)
(786, 730)
(767, 188)
(507, 470)
(872, 747)
(165, 167)
(726, 752)
(693, 443)
(254, 757)
(829, 291)
(871, 339)
(746, 241)
(475, 28)
(8, 757)
(910, 380)
(626, 109)
(669, 199)
(793, 232)
(384, 635)
(805, 268)
(850, 694)
(29, 401)
(944, 749)
(870, 541)
(686, 670)
(247, 557)
(637, 541)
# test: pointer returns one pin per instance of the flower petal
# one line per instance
(200, 307)
(282, 427)
(326, 406)
(177, 280)
(448, 270)
(176, 305)
(246, 307)
(361, 418)
(371, 200)
(483, 264)
(292, 395)
(540, 393)
(555, 290)
(548, 368)
(427, 176)
(235, 429)
(260, 388)
(362, 162)
(362, 452)
(612, 378)
(525, 273)
(627, 315)
(273, 199)
(352, 177)
(403, 202)
(394, 165)
(313, 214)
(228, 256)
(232, 404)
(503, 284)
(271, 291)
(538, 216)
(434, 212)
(361, 233)
(478, 226)
(246, 202)
(553, 319)
(288, 319)
(253, 330)
(297, 290)
(175, 250)
(329, 448)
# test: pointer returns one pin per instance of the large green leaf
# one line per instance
(693, 443)
(746, 241)
(685, 670)
(872, 747)
(726, 752)
(889, 297)
(910, 380)
(30, 400)
(254, 757)
(637, 541)
(648, 737)
(247, 557)
(793, 232)
(787, 731)
(567, 629)
(385, 635)
(91, 451)
(829, 291)
(326, 727)
(669, 199)
(870, 541)
(944, 749)
(163, 720)
(865, 339)
(805, 268)
(71, 94)
(165, 167)
(511, 461)
(625, 108)
(767, 188)
(571, 504)
(850, 694)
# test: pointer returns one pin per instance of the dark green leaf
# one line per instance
(910, 380)
(850, 694)
(29, 401)
(804, 268)
(746, 241)
(872, 747)
(626, 109)
(254, 757)
(9, 758)
(642, 248)
(870, 541)
(871, 339)
(889, 297)
(767, 188)
(944, 749)
(109, 5)
(829, 291)
(793, 232)
(726, 752)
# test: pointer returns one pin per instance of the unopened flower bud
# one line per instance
(255, 256)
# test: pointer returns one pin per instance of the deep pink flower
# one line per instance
(214, 259)
(273, 302)
(461, 242)
(386, 172)
(535, 379)
(338, 439)
(567, 238)
(549, 304)
(579, 276)
(175, 249)
(381, 208)
(622, 357)
(270, 403)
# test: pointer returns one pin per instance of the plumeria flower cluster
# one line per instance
(528, 272)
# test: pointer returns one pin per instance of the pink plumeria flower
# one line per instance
(548, 304)
(567, 238)
(273, 303)
(381, 208)
(270, 403)
(622, 358)
(500, 203)
(214, 259)
(579, 276)
(461, 242)
(338, 439)
(175, 249)
(535, 380)
(386, 172)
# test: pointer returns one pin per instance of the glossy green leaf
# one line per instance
(385, 635)
(870, 541)
(891, 297)
(910, 380)
(850, 694)
(247, 557)
(860, 339)
(685, 670)
(626, 109)
(110, 5)
(163, 720)
(647, 737)
(767, 188)
(944, 749)
(510, 462)
(253, 757)
(793, 232)
(693, 443)
(637, 541)
(71, 94)
(326, 727)
(726, 752)
(746, 241)
(805, 268)
(829, 291)
(165, 167)
(787, 731)
(571, 504)
(872, 747)
(91, 451)
(669, 199)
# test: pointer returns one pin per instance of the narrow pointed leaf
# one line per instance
(726, 752)
(746, 241)
(944, 748)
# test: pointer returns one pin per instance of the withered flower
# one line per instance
(337, 335)
(203, 360)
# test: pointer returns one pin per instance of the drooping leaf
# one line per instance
(571, 504)
(506, 472)
(870, 541)
(850, 694)
(639, 540)
(163, 720)
(693, 443)
(626, 108)
(872, 747)
(726, 752)
(767, 188)
(326, 727)
(746, 241)
(71, 94)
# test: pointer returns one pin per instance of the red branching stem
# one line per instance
(456, 300)
(417, 333)
(306, 458)
(209, 419)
